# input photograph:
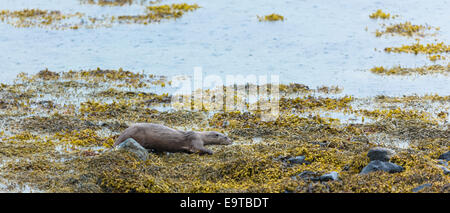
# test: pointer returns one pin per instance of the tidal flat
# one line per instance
(58, 130)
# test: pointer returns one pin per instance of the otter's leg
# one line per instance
(197, 147)
(202, 151)
(154, 151)
(187, 150)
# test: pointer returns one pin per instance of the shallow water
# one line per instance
(319, 43)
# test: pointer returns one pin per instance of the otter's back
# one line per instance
(156, 136)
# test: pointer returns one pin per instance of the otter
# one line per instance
(165, 139)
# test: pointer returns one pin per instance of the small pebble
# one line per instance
(417, 189)
(298, 160)
(329, 176)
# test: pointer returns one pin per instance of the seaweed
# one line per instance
(51, 146)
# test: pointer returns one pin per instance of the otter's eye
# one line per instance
(217, 135)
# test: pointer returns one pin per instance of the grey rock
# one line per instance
(379, 153)
(313, 176)
(445, 156)
(329, 176)
(378, 165)
(298, 160)
(133, 146)
(446, 171)
(417, 189)
(442, 162)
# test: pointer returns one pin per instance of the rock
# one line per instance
(378, 165)
(442, 162)
(379, 153)
(133, 146)
(329, 176)
(309, 175)
(445, 156)
(446, 171)
(417, 189)
(346, 168)
(298, 160)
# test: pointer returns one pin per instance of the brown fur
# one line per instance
(165, 139)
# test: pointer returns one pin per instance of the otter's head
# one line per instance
(216, 138)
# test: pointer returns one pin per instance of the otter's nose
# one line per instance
(229, 141)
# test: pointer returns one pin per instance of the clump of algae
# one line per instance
(70, 151)
(433, 51)
(173, 9)
(404, 29)
(424, 70)
(158, 13)
(436, 57)
(379, 14)
(58, 21)
(271, 17)
(39, 18)
(117, 2)
(417, 48)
